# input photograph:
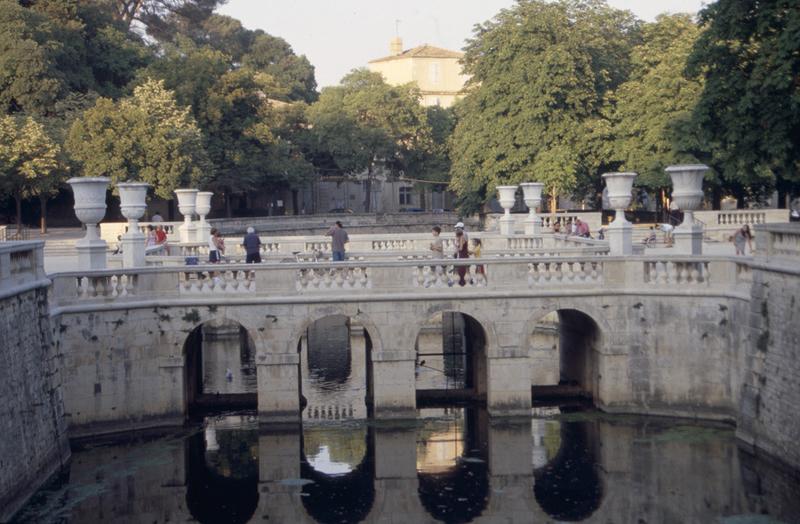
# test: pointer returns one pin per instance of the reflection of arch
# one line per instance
(461, 492)
(574, 366)
(207, 383)
(568, 487)
(211, 495)
(451, 354)
(333, 498)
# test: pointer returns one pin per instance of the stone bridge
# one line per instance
(655, 335)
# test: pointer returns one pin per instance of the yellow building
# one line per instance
(435, 70)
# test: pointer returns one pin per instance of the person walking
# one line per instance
(338, 239)
(739, 238)
(252, 247)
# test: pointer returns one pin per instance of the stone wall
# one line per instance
(33, 442)
(771, 380)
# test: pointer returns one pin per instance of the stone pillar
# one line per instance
(394, 384)
(90, 208)
(532, 192)
(507, 197)
(687, 193)
(278, 387)
(509, 377)
(132, 203)
(620, 231)
(203, 208)
(187, 199)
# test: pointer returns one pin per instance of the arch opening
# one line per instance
(563, 354)
(450, 360)
(220, 368)
(335, 370)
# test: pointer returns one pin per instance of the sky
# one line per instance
(340, 35)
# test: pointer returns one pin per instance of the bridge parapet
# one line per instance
(405, 279)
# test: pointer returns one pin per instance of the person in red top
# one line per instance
(161, 235)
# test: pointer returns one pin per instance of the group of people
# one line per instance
(575, 227)
(460, 250)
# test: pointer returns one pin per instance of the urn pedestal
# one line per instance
(507, 197)
(532, 194)
(133, 203)
(687, 193)
(187, 200)
(620, 231)
(203, 208)
(90, 208)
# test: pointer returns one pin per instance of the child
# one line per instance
(476, 253)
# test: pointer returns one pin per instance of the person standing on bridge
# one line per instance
(462, 251)
(252, 246)
(338, 239)
(739, 238)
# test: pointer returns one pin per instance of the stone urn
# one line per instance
(507, 196)
(187, 200)
(620, 231)
(90, 208)
(532, 194)
(133, 203)
(687, 193)
(203, 208)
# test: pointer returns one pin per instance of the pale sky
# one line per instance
(339, 35)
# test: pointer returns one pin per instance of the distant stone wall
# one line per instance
(771, 382)
(33, 441)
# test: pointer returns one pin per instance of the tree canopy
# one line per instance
(146, 137)
(541, 73)
(749, 109)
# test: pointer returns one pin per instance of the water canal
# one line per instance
(453, 464)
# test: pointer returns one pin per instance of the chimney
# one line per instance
(396, 46)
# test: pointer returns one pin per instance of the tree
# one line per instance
(364, 122)
(749, 109)
(541, 74)
(146, 137)
(155, 14)
(652, 119)
(29, 163)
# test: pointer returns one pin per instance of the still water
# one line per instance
(451, 465)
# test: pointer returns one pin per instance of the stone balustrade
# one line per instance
(740, 217)
(490, 275)
(780, 241)
(21, 264)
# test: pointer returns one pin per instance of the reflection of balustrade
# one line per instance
(335, 278)
(225, 281)
(439, 276)
(676, 272)
(328, 412)
(106, 286)
(559, 273)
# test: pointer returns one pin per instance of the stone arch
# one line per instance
(238, 379)
(347, 310)
(476, 333)
(339, 404)
(580, 337)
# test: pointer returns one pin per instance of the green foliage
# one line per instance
(364, 122)
(749, 110)
(29, 158)
(541, 75)
(652, 120)
(146, 137)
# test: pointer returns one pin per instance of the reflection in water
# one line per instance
(228, 359)
(581, 466)
(333, 356)
(442, 351)
(452, 464)
(342, 489)
(567, 485)
(222, 471)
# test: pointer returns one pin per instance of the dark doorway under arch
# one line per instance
(220, 370)
(451, 360)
